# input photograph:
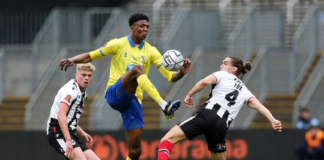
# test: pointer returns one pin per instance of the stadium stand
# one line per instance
(271, 29)
(12, 111)
(151, 113)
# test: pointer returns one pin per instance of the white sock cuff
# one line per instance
(162, 104)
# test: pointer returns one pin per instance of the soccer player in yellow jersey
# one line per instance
(130, 65)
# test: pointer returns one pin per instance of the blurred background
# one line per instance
(284, 40)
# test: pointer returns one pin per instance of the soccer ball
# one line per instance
(172, 60)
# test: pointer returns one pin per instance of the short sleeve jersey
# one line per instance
(71, 95)
(229, 92)
(125, 54)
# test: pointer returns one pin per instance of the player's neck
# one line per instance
(136, 41)
(81, 88)
(234, 74)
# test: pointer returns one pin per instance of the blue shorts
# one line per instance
(130, 109)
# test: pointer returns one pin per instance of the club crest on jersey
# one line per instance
(143, 59)
(67, 98)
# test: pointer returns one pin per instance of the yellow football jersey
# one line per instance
(125, 53)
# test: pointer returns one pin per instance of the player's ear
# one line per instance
(234, 69)
(132, 27)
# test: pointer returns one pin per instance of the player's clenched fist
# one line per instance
(65, 63)
(276, 125)
(188, 101)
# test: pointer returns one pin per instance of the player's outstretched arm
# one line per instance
(255, 104)
(183, 70)
(81, 58)
(211, 79)
(85, 136)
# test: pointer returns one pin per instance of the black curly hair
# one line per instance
(136, 17)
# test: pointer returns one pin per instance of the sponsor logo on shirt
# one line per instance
(138, 60)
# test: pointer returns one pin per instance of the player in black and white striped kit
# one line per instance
(227, 96)
(62, 124)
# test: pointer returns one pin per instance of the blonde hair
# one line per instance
(85, 67)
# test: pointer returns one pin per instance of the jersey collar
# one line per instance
(131, 42)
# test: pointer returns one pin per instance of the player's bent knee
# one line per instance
(78, 154)
(90, 155)
(138, 69)
(78, 157)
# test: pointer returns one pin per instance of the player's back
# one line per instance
(229, 92)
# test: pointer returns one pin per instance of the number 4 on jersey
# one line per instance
(231, 97)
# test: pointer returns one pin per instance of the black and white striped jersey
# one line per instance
(229, 93)
(71, 95)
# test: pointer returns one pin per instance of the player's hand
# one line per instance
(65, 63)
(276, 125)
(69, 149)
(188, 101)
(186, 66)
(88, 139)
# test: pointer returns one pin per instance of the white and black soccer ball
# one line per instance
(172, 60)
